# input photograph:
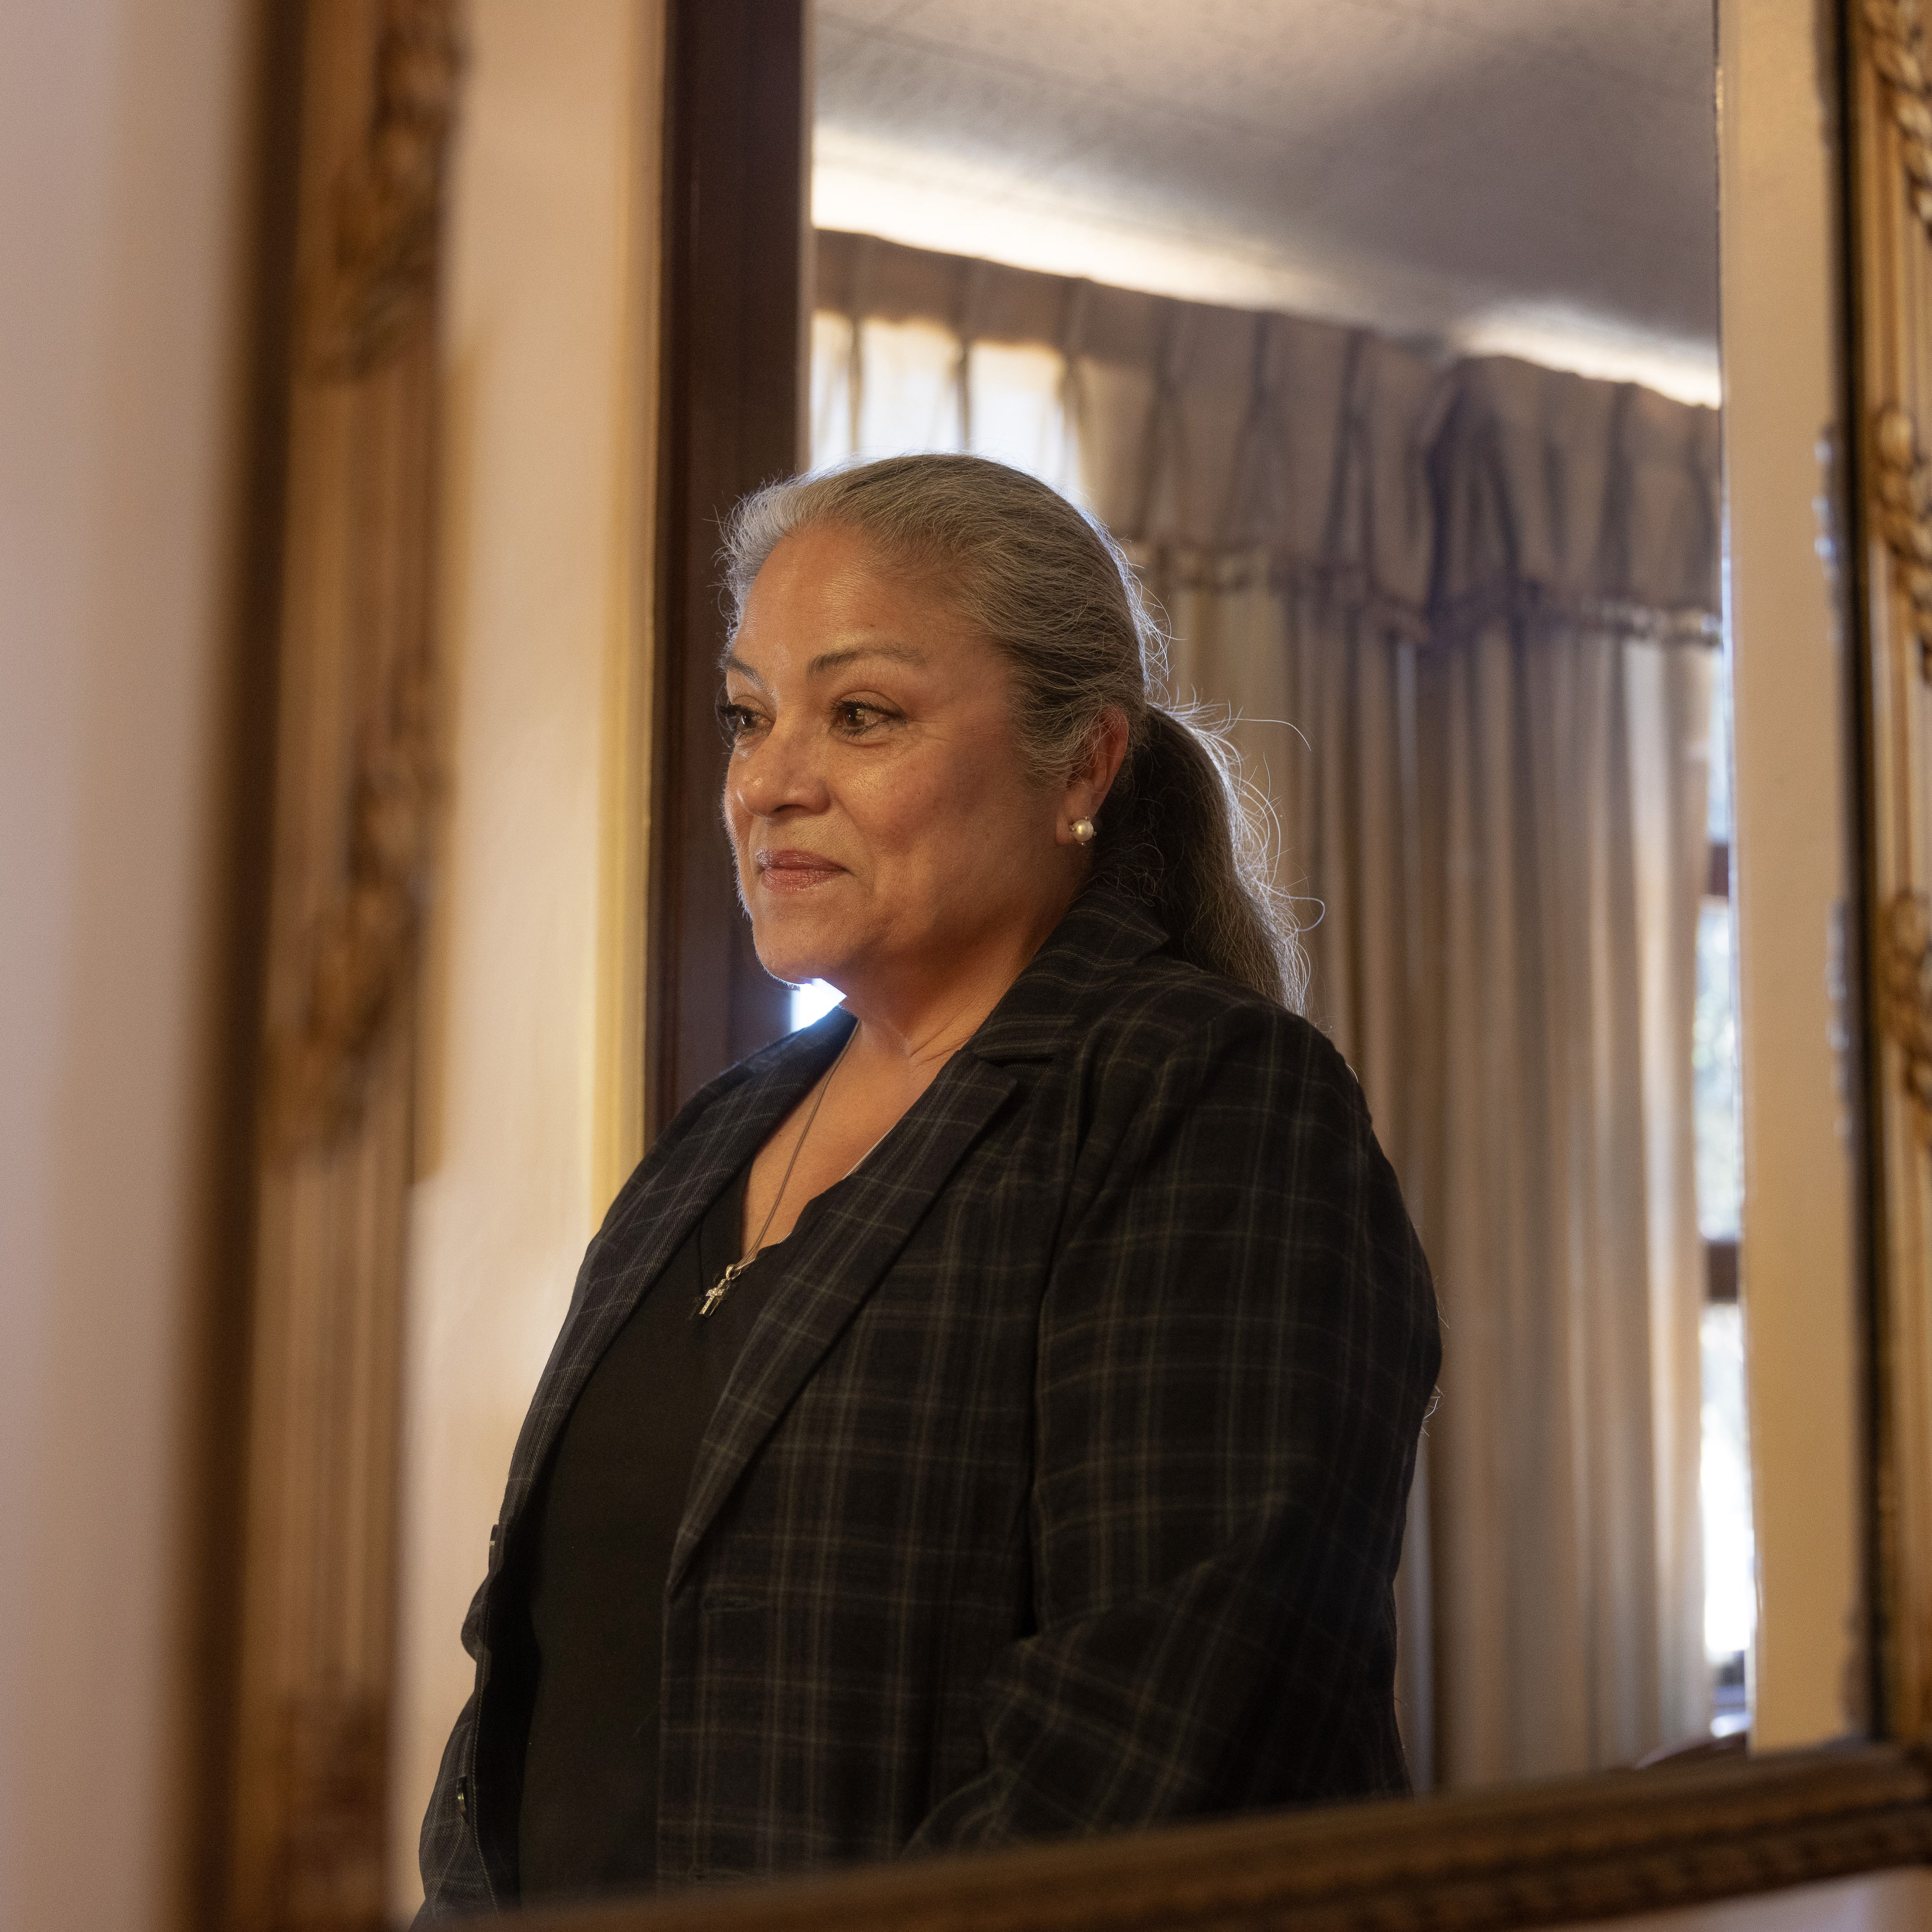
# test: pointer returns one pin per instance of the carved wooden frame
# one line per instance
(310, 1575)
(1890, 127)
(1537, 1855)
(344, 733)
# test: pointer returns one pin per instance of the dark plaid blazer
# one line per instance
(1059, 1486)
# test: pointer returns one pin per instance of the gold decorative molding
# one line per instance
(1902, 513)
(356, 782)
(375, 292)
(1561, 1853)
(361, 947)
(1896, 42)
(336, 1746)
(388, 198)
(1887, 136)
(1905, 990)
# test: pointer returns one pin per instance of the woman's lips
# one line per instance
(791, 872)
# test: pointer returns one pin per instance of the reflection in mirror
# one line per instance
(1385, 340)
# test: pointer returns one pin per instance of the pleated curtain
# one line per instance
(1461, 619)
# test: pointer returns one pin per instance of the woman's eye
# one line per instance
(854, 715)
(735, 720)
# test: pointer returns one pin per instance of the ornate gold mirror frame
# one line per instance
(302, 1609)
(304, 1586)
(1891, 236)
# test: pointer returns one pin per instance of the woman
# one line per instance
(989, 1413)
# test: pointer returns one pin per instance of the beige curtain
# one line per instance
(1460, 618)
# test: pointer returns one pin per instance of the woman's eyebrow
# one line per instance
(836, 660)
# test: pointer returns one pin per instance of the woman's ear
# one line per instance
(1093, 778)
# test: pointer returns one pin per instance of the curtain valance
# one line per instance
(1427, 490)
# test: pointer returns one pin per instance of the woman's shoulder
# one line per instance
(1161, 1011)
(1183, 1065)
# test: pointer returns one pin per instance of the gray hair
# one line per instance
(1181, 829)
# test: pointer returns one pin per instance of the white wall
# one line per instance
(529, 1090)
(119, 231)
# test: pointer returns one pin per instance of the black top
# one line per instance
(598, 1556)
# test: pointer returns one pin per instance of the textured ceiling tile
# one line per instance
(1450, 156)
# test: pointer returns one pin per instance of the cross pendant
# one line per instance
(719, 1288)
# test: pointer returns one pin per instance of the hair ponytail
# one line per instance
(1181, 829)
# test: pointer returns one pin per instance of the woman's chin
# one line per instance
(798, 938)
(784, 959)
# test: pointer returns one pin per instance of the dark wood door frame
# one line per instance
(732, 384)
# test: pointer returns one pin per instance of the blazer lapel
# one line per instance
(650, 1220)
(831, 1265)
(838, 1259)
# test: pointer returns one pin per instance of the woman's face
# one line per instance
(887, 836)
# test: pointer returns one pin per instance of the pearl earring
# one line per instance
(1083, 832)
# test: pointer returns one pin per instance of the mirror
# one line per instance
(1389, 345)
(1409, 422)
(1407, 416)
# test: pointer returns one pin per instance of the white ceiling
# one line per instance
(1533, 176)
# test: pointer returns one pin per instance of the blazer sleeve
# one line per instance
(448, 1856)
(1237, 1346)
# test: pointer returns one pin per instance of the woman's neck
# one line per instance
(916, 1021)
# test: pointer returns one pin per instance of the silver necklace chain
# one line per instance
(722, 1287)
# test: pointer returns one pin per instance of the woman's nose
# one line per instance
(777, 771)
